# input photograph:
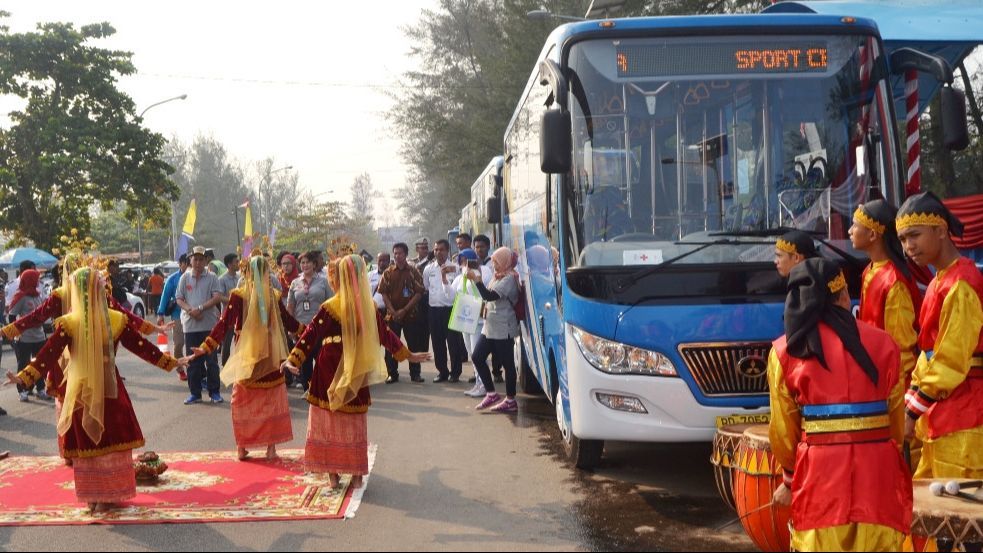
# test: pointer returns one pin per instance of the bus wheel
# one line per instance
(527, 380)
(584, 454)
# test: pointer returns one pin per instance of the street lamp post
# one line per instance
(139, 209)
(544, 15)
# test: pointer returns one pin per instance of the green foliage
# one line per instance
(475, 58)
(312, 226)
(77, 141)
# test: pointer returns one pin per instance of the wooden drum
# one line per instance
(756, 477)
(725, 443)
(946, 523)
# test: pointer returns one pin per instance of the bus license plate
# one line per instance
(761, 418)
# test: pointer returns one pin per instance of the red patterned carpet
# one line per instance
(197, 487)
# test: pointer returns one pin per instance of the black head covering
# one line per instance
(927, 209)
(796, 241)
(879, 213)
(812, 288)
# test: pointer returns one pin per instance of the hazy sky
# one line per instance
(303, 82)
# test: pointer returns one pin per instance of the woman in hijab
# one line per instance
(97, 427)
(260, 411)
(288, 271)
(30, 340)
(350, 331)
(501, 328)
(837, 420)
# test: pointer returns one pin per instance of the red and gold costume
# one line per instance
(51, 308)
(260, 410)
(890, 302)
(103, 469)
(337, 439)
(837, 433)
(947, 385)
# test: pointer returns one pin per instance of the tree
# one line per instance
(362, 220)
(77, 140)
(475, 57)
(279, 194)
(313, 225)
(116, 234)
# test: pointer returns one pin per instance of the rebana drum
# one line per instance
(756, 476)
(946, 523)
(725, 444)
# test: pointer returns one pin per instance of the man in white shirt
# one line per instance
(436, 276)
(383, 260)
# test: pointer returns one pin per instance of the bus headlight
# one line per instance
(615, 358)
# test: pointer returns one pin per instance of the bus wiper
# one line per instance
(631, 280)
(778, 231)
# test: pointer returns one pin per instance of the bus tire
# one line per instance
(584, 454)
(527, 380)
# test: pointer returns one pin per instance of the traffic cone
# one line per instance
(162, 342)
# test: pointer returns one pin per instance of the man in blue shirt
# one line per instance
(169, 307)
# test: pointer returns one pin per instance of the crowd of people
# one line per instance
(332, 329)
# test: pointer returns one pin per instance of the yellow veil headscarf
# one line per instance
(362, 362)
(72, 262)
(91, 374)
(262, 342)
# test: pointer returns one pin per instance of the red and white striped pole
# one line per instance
(914, 184)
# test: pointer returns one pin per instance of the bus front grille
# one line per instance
(728, 368)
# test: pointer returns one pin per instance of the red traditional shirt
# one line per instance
(232, 319)
(122, 430)
(948, 379)
(891, 302)
(51, 308)
(325, 331)
(837, 434)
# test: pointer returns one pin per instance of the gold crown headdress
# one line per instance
(261, 247)
(339, 247)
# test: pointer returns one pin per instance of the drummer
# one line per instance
(793, 248)
(947, 385)
(837, 419)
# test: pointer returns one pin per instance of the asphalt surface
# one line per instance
(446, 478)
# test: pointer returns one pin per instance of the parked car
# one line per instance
(137, 306)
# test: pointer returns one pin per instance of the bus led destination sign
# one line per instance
(668, 60)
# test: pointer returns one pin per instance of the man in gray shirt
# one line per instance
(228, 282)
(198, 293)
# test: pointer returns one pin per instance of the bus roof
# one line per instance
(950, 29)
(673, 24)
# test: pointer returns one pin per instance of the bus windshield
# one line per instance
(679, 140)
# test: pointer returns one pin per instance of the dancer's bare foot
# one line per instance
(68, 462)
(93, 508)
(271, 452)
(334, 480)
(242, 453)
(4, 455)
(356, 481)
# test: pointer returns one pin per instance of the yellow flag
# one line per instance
(248, 230)
(189, 221)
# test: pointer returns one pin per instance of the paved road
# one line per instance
(446, 478)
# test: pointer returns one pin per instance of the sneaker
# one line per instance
(392, 380)
(477, 391)
(216, 397)
(506, 406)
(43, 395)
(3, 413)
(182, 375)
(22, 396)
(490, 399)
(192, 399)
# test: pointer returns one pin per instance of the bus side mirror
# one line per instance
(493, 210)
(954, 127)
(555, 142)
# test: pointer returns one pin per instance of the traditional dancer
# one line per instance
(97, 427)
(350, 330)
(947, 385)
(793, 248)
(260, 410)
(837, 420)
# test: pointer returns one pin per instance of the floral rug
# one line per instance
(197, 487)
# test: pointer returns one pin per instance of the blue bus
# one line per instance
(648, 168)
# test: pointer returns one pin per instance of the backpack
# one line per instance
(520, 302)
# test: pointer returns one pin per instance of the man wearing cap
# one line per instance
(793, 248)
(947, 385)
(197, 295)
(168, 307)
(837, 420)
